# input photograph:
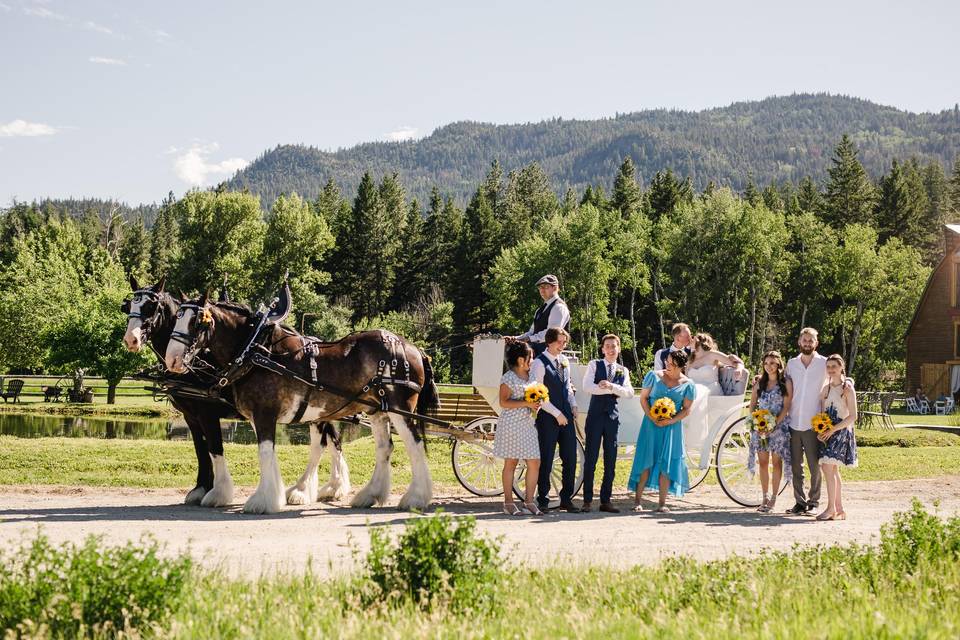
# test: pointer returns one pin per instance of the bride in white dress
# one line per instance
(704, 370)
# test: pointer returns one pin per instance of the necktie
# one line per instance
(609, 372)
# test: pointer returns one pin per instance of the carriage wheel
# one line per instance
(556, 478)
(732, 473)
(696, 474)
(474, 464)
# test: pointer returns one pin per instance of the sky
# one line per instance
(130, 100)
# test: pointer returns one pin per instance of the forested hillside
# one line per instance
(773, 140)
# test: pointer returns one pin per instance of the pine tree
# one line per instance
(666, 192)
(135, 250)
(477, 250)
(627, 194)
(808, 197)
(751, 194)
(850, 196)
(528, 201)
(412, 279)
(955, 189)
(164, 239)
(899, 210)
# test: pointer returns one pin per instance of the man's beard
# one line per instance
(807, 350)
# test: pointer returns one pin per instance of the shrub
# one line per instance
(437, 559)
(75, 591)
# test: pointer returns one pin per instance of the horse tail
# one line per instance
(429, 398)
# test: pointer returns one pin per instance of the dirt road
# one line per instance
(705, 524)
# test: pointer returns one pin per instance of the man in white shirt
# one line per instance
(806, 374)
(556, 420)
(681, 342)
(552, 313)
(606, 381)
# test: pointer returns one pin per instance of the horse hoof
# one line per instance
(195, 496)
(331, 491)
(364, 501)
(296, 495)
(413, 503)
(218, 497)
(260, 504)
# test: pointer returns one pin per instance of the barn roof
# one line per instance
(954, 228)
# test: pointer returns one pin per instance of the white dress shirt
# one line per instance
(621, 391)
(807, 385)
(658, 361)
(537, 371)
(559, 317)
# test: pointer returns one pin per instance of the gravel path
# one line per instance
(705, 525)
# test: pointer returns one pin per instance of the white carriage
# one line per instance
(721, 443)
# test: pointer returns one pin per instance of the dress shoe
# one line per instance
(587, 507)
(812, 506)
(797, 509)
(608, 508)
(569, 507)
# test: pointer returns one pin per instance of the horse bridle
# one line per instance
(146, 323)
(192, 343)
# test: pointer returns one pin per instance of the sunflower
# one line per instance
(536, 392)
(762, 421)
(663, 408)
(821, 423)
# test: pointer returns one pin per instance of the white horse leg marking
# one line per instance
(222, 493)
(305, 491)
(268, 498)
(339, 484)
(378, 489)
(195, 495)
(420, 493)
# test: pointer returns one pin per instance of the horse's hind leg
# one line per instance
(222, 493)
(204, 468)
(305, 490)
(378, 489)
(420, 493)
(339, 484)
(269, 496)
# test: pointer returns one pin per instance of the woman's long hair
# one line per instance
(702, 341)
(765, 377)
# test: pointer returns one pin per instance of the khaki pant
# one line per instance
(805, 444)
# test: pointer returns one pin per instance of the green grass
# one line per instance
(906, 587)
(900, 416)
(163, 463)
(166, 464)
(144, 406)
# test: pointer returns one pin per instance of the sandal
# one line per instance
(511, 510)
(637, 507)
(765, 506)
(662, 508)
(532, 509)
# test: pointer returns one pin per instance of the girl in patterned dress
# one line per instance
(516, 435)
(771, 391)
(838, 445)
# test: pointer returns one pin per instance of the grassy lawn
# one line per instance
(899, 455)
(902, 417)
(905, 587)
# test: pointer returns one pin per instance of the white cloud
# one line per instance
(193, 167)
(161, 36)
(401, 134)
(93, 26)
(110, 61)
(5, 7)
(24, 129)
(43, 12)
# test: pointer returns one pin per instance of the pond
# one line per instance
(25, 425)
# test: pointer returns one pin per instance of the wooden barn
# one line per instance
(933, 338)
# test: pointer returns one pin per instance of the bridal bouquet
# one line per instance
(536, 392)
(762, 422)
(663, 408)
(821, 423)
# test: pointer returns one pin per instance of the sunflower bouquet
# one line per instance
(663, 408)
(762, 422)
(821, 423)
(536, 392)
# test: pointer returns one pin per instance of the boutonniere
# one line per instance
(562, 362)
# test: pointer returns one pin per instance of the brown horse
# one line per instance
(346, 374)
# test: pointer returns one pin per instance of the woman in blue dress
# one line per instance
(838, 445)
(771, 391)
(660, 459)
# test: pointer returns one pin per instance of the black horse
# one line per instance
(312, 380)
(151, 315)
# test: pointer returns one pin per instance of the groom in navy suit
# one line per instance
(556, 420)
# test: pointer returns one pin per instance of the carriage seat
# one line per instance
(731, 386)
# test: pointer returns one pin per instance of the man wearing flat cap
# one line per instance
(553, 313)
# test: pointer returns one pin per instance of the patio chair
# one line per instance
(943, 407)
(912, 405)
(924, 407)
(13, 391)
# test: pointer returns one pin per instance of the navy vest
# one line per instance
(556, 383)
(605, 404)
(541, 319)
(665, 353)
